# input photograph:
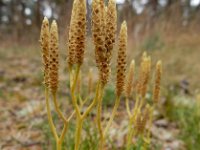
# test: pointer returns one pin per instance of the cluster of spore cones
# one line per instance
(103, 27)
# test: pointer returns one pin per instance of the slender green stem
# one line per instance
(60, 114)
(128, 107)
(79, 122)
(58, 145)
(141, 103)
(64, 131)
(99, 125)
(80, 99)
(130, 134)
(70, 117)
(76, 78)
(80, 118)
(101, 143)
(72, 88)
(88, 110)
(132, 119)
(83, 102)
(136, 109)
(117, 101)
(66, 121)
(52, 126)
(79, 125)
(102, 135)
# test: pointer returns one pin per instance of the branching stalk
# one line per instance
(59, 140)
(80, 118)
(132, 120)
(60, 114)
(88, 110)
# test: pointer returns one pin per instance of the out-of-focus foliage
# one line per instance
(25, 13)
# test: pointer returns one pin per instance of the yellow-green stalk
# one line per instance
(76, 48)
(78, 34)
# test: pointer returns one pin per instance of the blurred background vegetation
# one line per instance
(167, 29)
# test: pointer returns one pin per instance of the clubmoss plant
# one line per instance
(104, 25)
(141, 114)
(49, 46)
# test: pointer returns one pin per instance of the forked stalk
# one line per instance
(59, 140)
(80, 118)
(77, 110)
